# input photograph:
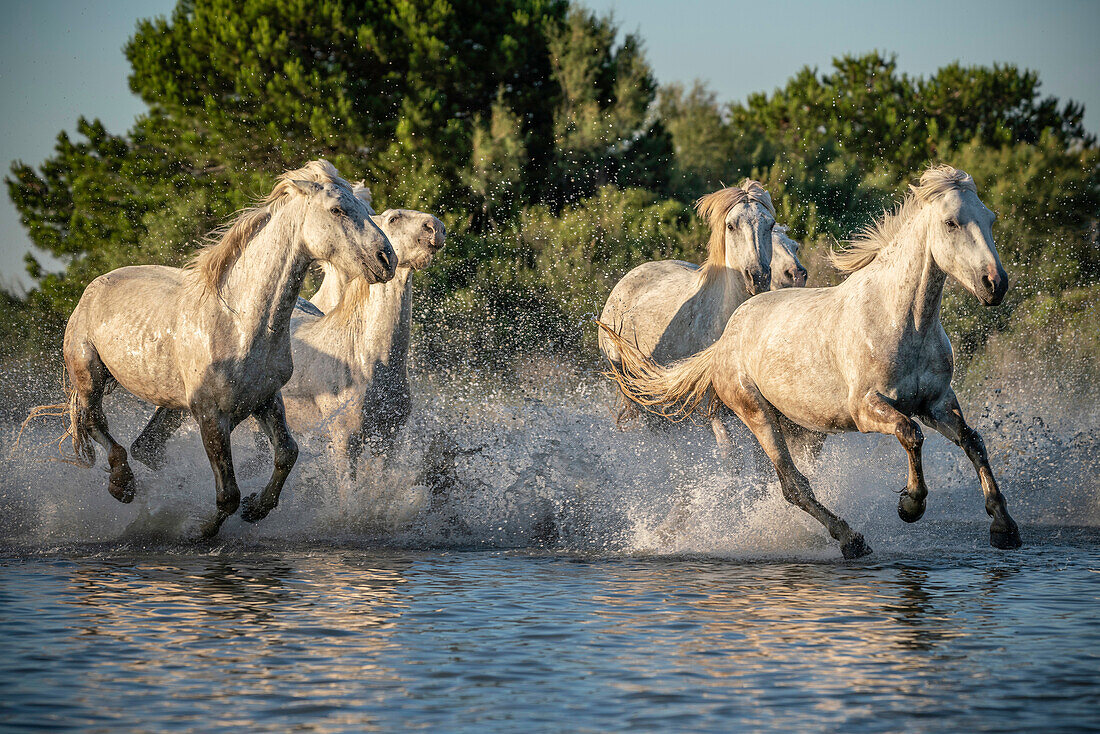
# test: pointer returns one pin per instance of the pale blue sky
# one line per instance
(60, 59)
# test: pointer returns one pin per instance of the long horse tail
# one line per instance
(83, 451)
(675, 392)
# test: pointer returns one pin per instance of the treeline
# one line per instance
(536, 130)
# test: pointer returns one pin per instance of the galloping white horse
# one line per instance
(671, 309)
(213, 339)
(350, 376)
(870, 355)
(351, 363)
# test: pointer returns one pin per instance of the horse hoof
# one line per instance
(209, 529)
(1007, 538)
(909, 509)
(251, 510)
(855, 547)
(121, 485)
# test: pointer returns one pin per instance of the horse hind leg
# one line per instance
(148, 447)
(90, 376)
(805, 445)
(763, 420)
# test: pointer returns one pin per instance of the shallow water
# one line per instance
(554, 574)
(353, 639)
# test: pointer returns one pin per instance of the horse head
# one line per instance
(337, 227)
(416, 236)
(961, 234)
(741, 219)
(787, 269)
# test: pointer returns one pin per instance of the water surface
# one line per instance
(353, 638)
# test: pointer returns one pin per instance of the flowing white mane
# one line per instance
(862, 249)
(226, 243)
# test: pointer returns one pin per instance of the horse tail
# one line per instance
(675, 392)
(83, 450)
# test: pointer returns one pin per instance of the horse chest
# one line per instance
(911, 372)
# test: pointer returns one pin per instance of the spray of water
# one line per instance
(541, 464)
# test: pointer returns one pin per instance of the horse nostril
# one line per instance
(384, 258)
(988, 283)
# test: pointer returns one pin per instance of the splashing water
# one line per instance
(542, 465)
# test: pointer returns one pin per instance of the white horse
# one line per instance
(671, 309)
(351, 356)
(871, 353)
(213, 339)
(350, 377)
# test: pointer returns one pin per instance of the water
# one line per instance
(555, 575)
(354, 639)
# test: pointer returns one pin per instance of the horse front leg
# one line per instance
(874, 415)
(947, 418)
(215, 430)
(148, 447)
(272, 419)
(762, 419)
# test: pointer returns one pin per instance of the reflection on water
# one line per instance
(356, 639)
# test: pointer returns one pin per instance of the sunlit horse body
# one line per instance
(213, 339)
(871, 353)
(351, 363)
(671, 309)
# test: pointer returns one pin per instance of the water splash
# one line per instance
(542, 465)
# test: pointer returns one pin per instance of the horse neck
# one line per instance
(375, 328)
(332, 287)
(908, 278)
(263, 283)
(726, 289)
(386, 319)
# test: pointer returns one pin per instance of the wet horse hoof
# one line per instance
(121, 485)
(1005, 538)
(855, 547)
(909, 509)
(252, 510)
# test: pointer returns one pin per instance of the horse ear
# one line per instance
(305, 188)
(362, 191)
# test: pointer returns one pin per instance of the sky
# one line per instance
(60, 59)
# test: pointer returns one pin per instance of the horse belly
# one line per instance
(795, 372)
(817, 404)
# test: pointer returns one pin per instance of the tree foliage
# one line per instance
(537, 131)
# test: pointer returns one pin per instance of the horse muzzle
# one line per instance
(994, 285)
(796, 276)
(758, 281)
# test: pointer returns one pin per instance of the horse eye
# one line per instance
(337, 210)
(952, 224)
(729, 227)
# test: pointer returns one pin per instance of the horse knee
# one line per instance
(229, 499)
(910, 435)
(286, 454)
